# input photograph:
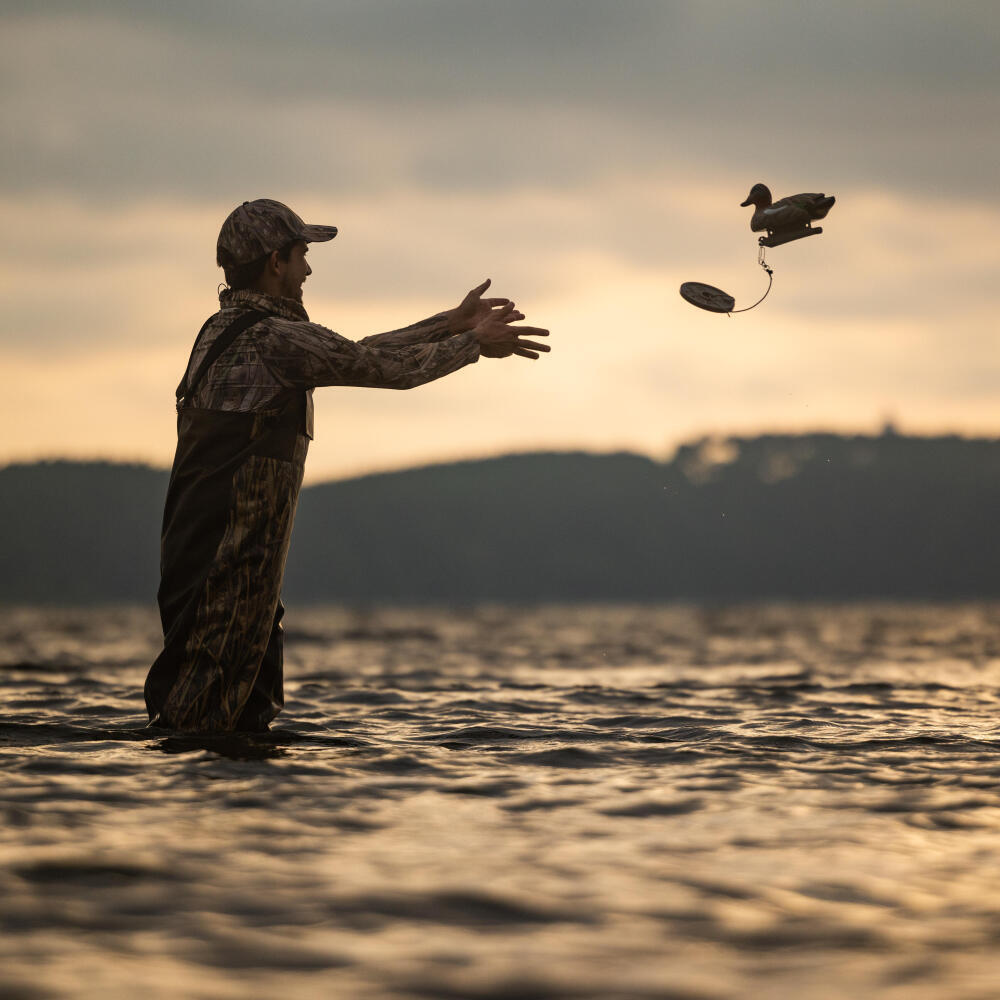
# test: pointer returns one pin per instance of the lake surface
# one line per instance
(607, 803)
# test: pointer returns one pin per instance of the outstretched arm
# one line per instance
(492, 322)
(425, 331)
(471, 313)
(306, 355)
(309, 355)
(442, 325)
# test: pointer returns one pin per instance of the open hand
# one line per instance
(490, 320)
(473, 309)
(499, 339)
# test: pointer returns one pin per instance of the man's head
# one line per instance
(262, 244)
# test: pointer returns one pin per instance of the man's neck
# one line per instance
(252, 298)
(268, 284)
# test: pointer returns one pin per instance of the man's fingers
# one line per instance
(522, 352)
(533, 345)
(479, 289)
(493, 303)
(530, 331)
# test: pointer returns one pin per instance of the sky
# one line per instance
(588, 157)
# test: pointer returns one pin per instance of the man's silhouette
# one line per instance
(243, 428)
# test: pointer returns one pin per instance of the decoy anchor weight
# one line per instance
(716, 300)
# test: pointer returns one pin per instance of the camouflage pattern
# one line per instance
(255, 228)
(285, 351)
(242, 442)
(233, 622)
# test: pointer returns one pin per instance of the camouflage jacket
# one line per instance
(285, 350)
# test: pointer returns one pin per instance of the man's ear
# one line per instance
(272, 262)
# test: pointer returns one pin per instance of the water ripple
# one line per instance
(608, 803)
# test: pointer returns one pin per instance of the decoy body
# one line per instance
(789, 218)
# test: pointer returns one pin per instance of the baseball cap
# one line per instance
(257, 227)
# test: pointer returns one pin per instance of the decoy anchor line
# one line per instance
(716, 300)
(762, 260)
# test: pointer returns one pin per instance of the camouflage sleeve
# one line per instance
(425, 331)
(307, 355)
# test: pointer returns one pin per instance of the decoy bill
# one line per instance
(784, 220)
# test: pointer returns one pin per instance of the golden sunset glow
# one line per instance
(588, 212)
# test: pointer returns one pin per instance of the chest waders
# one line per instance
(227, 524)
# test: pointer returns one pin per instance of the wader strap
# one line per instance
(186, 388)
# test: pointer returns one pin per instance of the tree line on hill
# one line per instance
(799, 517)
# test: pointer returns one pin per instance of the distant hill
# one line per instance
(798, 516)
(79, 532)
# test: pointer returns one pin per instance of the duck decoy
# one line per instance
(788, 218)
(785, 220)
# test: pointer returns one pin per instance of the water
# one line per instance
(604, 803)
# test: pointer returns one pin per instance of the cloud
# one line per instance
(81, 278)
(579, 49)
(123, 100)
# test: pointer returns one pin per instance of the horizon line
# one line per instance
(889, 430)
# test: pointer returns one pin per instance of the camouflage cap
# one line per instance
(257, 227)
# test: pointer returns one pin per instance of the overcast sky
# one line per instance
(589, 157)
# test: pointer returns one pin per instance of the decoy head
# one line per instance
(760, 195)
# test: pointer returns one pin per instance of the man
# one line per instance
(243, 428)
